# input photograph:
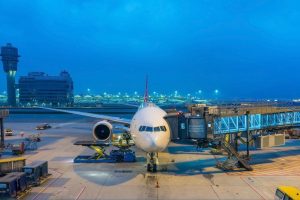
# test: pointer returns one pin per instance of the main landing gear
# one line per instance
(152, 162)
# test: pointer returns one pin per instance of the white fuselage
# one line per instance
(149, 130)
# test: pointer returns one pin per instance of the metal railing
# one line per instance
(233, 124)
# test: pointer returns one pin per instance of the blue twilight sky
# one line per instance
(247, 49)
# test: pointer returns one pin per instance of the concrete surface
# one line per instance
(184, 173)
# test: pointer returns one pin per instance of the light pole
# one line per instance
(216, 92)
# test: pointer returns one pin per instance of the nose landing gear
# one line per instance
(152, 162)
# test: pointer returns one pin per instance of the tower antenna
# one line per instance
(146, 96)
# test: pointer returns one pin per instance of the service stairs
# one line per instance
(234, 158)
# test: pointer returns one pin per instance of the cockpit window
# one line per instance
(163, 128)
(156, 129)
(149, 129)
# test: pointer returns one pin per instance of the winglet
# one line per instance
(146, 96)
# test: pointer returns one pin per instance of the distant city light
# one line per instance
(118, 97)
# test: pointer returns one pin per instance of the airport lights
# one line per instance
(189, 96)
(216, 92)
(199, 93)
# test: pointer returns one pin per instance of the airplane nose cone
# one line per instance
(155, 144)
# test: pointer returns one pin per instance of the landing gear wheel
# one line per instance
(152, 162)
(148, 168)
(154, 168)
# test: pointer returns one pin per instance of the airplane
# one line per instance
(148, 128)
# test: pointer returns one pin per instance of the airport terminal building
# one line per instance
(38, 88)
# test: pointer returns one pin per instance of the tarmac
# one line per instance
(184, 172)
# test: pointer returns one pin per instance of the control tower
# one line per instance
(10, 59)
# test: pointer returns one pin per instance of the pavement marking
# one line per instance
(215, 191)
(252, 188)
(80, 193)
(287, 166)
(47, 186)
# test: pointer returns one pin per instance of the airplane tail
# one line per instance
(146, 96)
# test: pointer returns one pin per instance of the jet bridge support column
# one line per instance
(248, 132)
(236, 142)
(2, 133)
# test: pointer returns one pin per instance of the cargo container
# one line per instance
(123, 155)
(267, 141)
(12, 184)
(293, 134)
(11, 165)
(36, 171)
(21, 180)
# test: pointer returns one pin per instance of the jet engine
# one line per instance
(102, 130)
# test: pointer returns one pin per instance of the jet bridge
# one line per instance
(255, 122)
(229, 124)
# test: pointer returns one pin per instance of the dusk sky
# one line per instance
(246, 49)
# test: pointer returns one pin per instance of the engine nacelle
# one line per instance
(102, 130)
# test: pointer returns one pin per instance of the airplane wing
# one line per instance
(97, 116)
(132, 105)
